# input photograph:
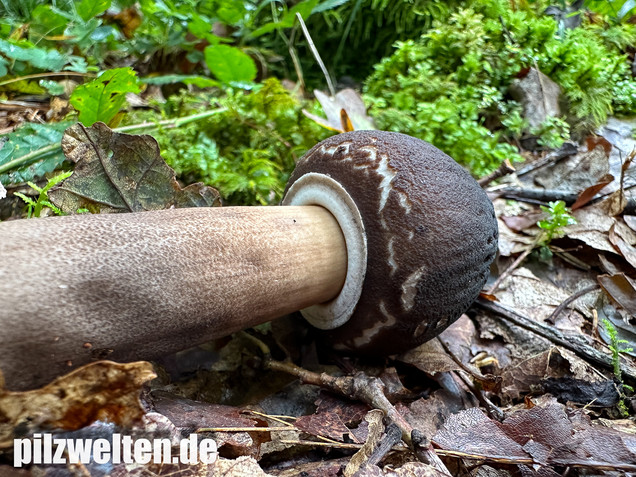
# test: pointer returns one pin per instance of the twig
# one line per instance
(167, 123)
(244, 429)
(566, 150)
(359, 387)
(506, 273)
(342, 445)
(559, 309)
(573, 343)
(504, 169)
(530, 461)
(45, 75)
(314, 50)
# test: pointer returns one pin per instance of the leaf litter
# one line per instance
(526, 396)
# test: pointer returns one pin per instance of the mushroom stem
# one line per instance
(135, 286)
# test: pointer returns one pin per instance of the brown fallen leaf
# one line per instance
(626, 250)
(118, 172)
(241, 467)
(621, 289)
(589, 193)
(332, 418)
(187, 415)
(360, 458)
(594, 141)
(102, 390)
(548, 434)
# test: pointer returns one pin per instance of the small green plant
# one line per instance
(558, 218)
(552, 132)
(552, 227)
(34, 207)
(616, 347)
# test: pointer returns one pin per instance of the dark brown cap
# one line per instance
(430, 233)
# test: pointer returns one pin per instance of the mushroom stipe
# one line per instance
(383, 241)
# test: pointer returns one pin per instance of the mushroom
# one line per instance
(383, 241)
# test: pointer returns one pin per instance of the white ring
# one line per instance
(320, 189)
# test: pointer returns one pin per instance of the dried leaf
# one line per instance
(431, 358)
(241, 467)
(102, 390)
(526, 220)
(345, 110)
(188, 414)
(593, 142)
(376, 430)
(626, 250)
(332, 418)
(589, 193)
(547, 434)
(630, 220)
(621, 289)
(615, 203)
(121, 173)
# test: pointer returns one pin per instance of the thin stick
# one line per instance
(45, 75)
(510, 269)
(243, 429)
(314, 50)
(573, 343)
(570, 299)
(504, 169)
(323, 444)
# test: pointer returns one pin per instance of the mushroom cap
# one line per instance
(431, 235)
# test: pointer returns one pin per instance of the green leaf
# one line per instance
(121, 173)
(103, 98)
(304, 8)
(50, 60)
(229, 63)
(26, 140)
(45, 21)
(88, 9)
(52, 87)
(198, 81)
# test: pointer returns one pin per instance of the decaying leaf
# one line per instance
(241, 467)
(102, 390)
(186, 414)
(345, 112)
(575, 173)
(121, 173)
(547, 434)
(626, 250)
(621, 289)
(332, 418)
(589, 193)
(376, 430)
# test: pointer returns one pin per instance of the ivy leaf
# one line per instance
(88, 9)
(229, 63)
(103, 98)
(118, 172)
(24, 141)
